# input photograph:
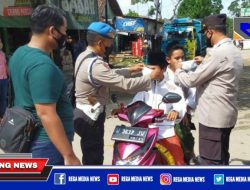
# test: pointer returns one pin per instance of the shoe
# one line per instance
(194, 161)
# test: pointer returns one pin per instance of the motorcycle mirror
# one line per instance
(136, 111)
(171, 97)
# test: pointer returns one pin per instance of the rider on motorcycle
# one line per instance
(175, 112)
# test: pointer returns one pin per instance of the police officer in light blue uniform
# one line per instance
(94, 79)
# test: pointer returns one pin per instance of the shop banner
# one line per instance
(79, 13)
(129, 24)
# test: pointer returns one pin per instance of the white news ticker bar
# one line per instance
(16, 155)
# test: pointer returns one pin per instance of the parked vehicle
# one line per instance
(137, 144)
(186, 32)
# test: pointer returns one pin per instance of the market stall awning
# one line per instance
(15, 22)
(24, 22)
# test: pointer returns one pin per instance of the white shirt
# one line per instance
(153, 98)
(190, 95)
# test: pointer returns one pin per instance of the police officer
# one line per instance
(94, 79)
(217, 82)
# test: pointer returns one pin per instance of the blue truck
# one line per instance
(186, 32)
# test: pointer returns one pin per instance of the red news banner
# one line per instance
(30, 165)
(24, 169)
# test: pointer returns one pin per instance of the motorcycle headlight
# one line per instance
(135, 157)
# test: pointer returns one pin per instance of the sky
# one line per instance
(167, 7)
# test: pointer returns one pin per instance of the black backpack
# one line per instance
(17, 128)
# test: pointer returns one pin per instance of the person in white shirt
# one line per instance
(175, 54)
(176, 111)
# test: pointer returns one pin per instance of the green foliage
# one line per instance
(133, 2)
(234, 8)
(236, 5)
(194, 9)
(132, 13)
(216, 6)
(230, 27)
(152, 10)
(199, 8)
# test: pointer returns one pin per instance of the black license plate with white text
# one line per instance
(130, 134)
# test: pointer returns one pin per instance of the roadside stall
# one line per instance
(135, 37)
(15, 19)
(130, 33)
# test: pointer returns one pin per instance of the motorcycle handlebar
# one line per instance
(160, 119)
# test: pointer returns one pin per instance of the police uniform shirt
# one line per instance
(106, 78)
(217, 82)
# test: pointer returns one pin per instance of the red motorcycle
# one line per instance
(137, 144)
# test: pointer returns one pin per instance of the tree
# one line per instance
(216, 6)
(234, 8)
(199, 8)
(236, 5)
(132, 13)
(194, 9)
(155, 8)
(230, 27)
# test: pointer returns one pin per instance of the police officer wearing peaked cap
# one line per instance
(218, 21)
(93, 82)
(217, 82)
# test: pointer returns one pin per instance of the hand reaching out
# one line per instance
(198, 59)
(136, 68)
(172, 116)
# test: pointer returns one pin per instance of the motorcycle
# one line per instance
(137, 144)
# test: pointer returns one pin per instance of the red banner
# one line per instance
(17, 11)
(23, 165)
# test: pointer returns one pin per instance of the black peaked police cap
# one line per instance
(214, 21)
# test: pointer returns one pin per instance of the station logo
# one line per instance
(218, 179)
(165, 179)
(60, 179)
(113, 179)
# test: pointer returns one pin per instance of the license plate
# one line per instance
(130, 134)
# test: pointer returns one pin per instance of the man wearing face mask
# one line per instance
(39, 87)
(94, 79)
(217, 82)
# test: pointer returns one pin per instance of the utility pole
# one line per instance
(158, 6)
(106, 19)
(106, 11)
(158, 12)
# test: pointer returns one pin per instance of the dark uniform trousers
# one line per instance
(186, 138)
(214, 145)
(92, 137)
